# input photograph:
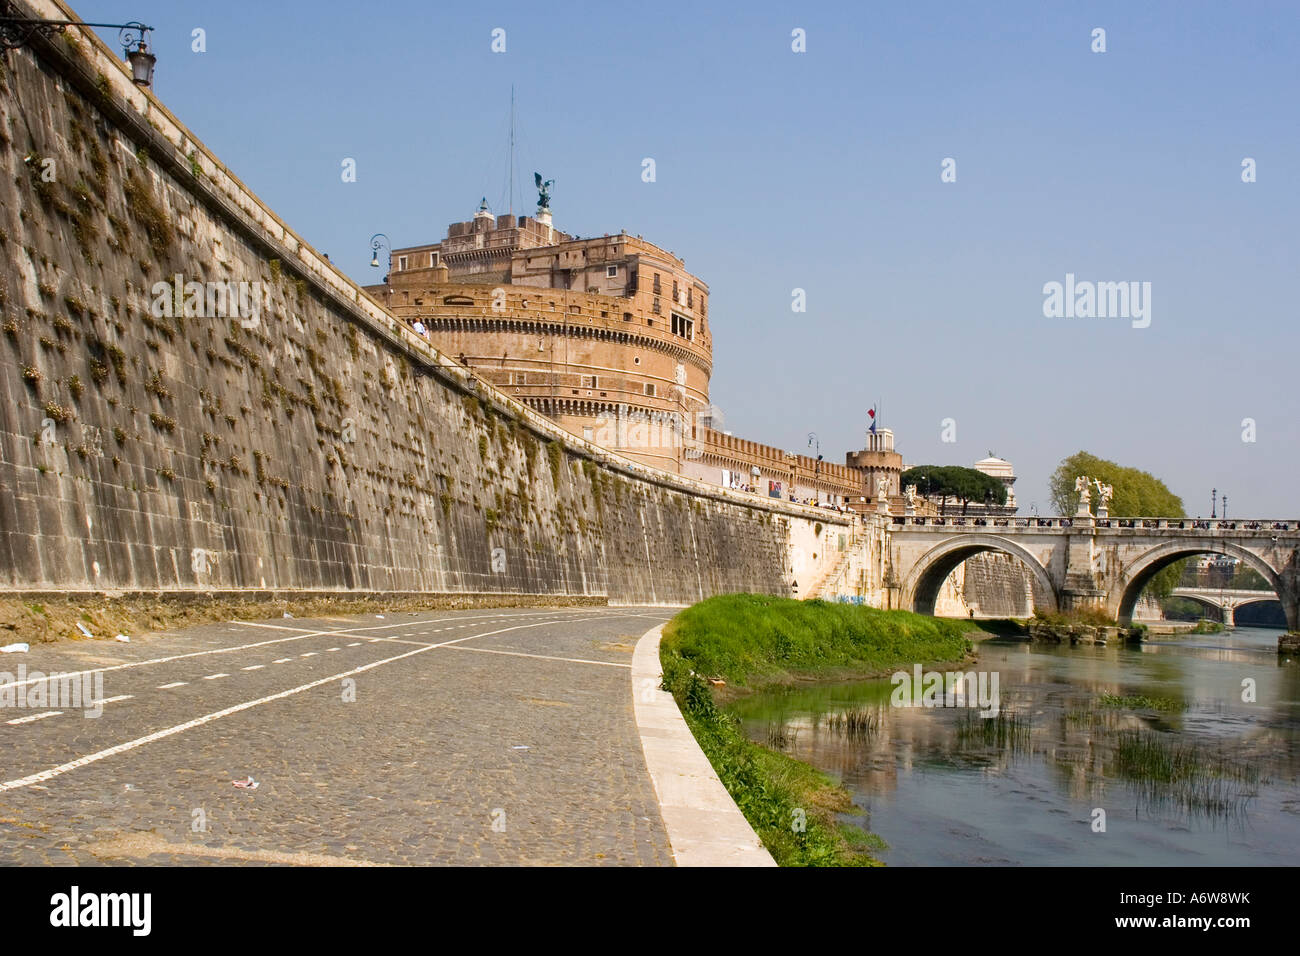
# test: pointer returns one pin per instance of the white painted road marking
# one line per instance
(540, 657)
(255, 667)
(220, 650)
(215, 676)
(113, 700)
(28, 720)
(179, 683)
(61, 769)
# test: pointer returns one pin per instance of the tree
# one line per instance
(1138, 494)
(1246, 578)
(954, 481)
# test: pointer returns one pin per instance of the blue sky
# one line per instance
(821, 170)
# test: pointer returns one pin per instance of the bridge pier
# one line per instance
(1082, 599)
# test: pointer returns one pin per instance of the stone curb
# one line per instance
(705, 827)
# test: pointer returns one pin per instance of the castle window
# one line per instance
(627, 316)
(611, 272)
(588, 381)
(656, 284)
(655, 306)
(650, 388)
(683, 326)
(433, 259)
(401, 263)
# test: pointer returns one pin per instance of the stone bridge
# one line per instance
(1227, 600)
(1086, 561)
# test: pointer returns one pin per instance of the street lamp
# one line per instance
(1225, 507)
(378, 241)
(140, 58)
(18, 32)
(814, 441)
(1213, 502)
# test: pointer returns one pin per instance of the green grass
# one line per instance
(792, 807)
(1164, 771)
(1093, 617)
(1139, 702)
(750, 640)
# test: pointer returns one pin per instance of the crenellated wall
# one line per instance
(155, 439)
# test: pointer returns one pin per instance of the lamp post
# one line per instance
(1225, 507)
(18, 32)
(378, 241)
(1214, 509)
(815, 442)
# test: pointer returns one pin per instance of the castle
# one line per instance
(610, 337)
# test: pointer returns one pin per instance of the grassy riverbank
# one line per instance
(751, 641)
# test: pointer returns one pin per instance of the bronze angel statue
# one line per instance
(543, 191)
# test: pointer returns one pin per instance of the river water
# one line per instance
(1191, 775)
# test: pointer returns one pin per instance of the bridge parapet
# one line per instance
(957, 523)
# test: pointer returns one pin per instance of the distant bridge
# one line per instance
(1088, 561)
(1227, 600)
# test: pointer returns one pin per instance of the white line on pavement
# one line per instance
(113, 700)
(28, 720)
(220, 650)
(61, 769)
(254, 667)
(540, 657)
(215, 676)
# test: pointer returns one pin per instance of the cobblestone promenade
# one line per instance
(467, 737)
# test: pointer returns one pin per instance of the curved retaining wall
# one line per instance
(304, 441)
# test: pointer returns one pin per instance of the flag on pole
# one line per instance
(872, 413)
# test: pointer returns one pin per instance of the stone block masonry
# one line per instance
(158, 433)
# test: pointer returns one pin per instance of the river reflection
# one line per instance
(1158, 736)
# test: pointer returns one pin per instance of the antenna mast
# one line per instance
(511, 198)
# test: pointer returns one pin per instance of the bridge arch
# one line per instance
(1134, 579)
(920, 588)
(1208, 600)
(1204, 601)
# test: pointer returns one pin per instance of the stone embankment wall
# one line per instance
(298, 441)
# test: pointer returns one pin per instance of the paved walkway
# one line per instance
(461, 737)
